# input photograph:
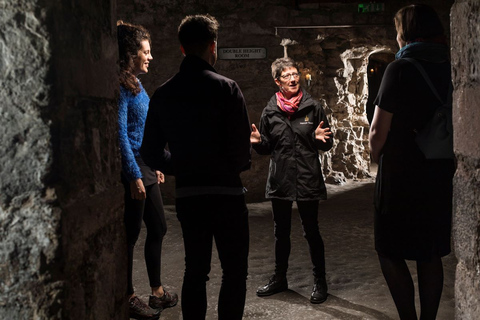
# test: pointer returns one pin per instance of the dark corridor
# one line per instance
(377, 64)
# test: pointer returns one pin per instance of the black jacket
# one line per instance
(203, 118)
(295, 172)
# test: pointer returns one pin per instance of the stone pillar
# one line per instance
(465, 26)
(62, 245)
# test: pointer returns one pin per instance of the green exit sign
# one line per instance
(371, 7)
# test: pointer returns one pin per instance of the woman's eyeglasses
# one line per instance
(288, 76)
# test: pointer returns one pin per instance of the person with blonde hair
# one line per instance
(413, 198)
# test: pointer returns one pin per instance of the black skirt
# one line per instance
(413, 208)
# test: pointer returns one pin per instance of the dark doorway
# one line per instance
(376, 68)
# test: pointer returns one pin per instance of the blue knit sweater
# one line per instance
(132, 112)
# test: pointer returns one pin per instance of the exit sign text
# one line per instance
(371, 7)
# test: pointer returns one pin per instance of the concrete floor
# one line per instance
(356, 286)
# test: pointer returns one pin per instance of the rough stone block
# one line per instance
(467, 291)
(59, 131)
(466, 116)
(465, 17)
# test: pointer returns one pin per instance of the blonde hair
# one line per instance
(417, 21)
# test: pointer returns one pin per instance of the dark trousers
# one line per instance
(225, 219)
(282, 216)
(151, 212)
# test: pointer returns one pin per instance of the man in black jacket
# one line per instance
(203, 118)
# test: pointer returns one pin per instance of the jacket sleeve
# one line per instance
(264, 147)
(321, 116)
(239, 132)
(154, 141)
(129, 164)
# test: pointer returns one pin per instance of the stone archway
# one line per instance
(351, 155)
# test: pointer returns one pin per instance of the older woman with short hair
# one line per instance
(293, 127)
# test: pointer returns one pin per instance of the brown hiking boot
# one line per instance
(168, 300)
(140, 310)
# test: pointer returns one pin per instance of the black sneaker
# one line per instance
(319, 291)
(140, 310)
(276, 284)
(168, 300)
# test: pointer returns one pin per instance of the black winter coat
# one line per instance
(203, 118)
(295, 172)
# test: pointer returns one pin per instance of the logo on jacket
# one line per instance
(307, 121)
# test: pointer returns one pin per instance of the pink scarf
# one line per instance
(289, 106)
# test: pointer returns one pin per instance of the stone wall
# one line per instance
(28, 221)
(466, 230)
(61, 233)
(335, 57)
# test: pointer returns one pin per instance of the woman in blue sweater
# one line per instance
(143, 200)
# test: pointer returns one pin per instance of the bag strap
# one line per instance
(426, 77)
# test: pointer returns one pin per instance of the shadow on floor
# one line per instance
(356, 285)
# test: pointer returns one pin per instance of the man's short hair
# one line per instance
(197, 32)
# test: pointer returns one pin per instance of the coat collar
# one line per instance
(194, 63)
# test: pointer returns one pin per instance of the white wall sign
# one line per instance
(242, 53)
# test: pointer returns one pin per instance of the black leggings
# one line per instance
(151, 211)
(282, 216)
(400, 283)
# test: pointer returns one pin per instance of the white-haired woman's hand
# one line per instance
(322, 133)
